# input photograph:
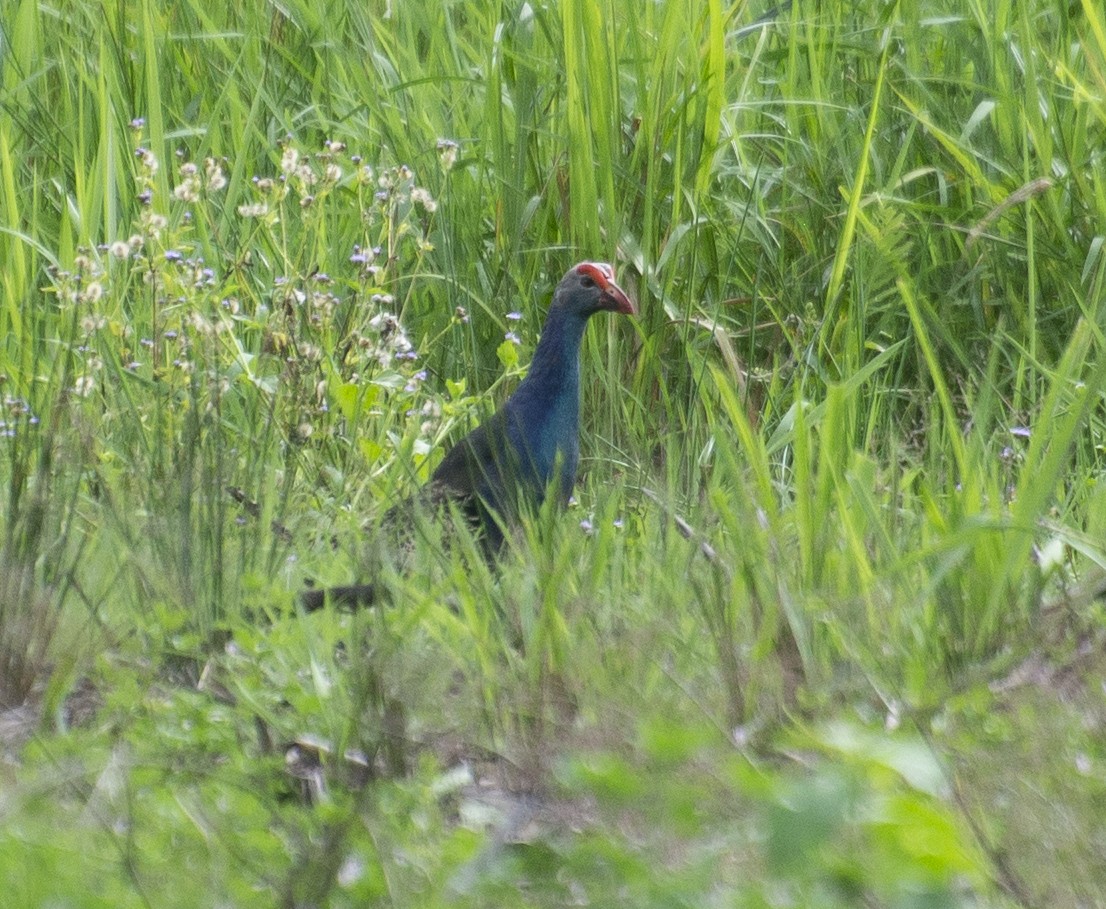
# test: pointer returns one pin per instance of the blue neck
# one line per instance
(552, 385)
(546, 405)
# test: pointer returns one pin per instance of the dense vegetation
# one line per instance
(823, 626)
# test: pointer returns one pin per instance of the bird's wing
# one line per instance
(478, 466)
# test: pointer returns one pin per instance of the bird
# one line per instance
(530, 447)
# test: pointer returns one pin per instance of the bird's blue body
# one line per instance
(543, 416)
(532, 444)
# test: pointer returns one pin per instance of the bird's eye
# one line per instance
(587, 282)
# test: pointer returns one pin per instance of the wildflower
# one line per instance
(199, 324)
(289, 160)
(188, 190)
(84, 386)
(253, 210)
(306, 175)
(148, 160)
(514, 316)
(153, 222)
(447, 153)
(216, 179)
(512, 337)
(385, 323)
(423, 198)
(119, 249)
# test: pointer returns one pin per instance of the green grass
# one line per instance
(822, 627)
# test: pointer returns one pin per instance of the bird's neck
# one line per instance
(545, 410)
(554, 376)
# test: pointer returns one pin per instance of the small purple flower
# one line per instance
(514, 316)
(512, 337)
(585, 526)
(172, 255)
(1022, 432)
(137, 123)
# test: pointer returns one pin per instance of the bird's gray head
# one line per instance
(589, 288)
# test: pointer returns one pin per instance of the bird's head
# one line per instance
(589, 288)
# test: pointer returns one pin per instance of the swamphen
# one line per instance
(531, 445)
